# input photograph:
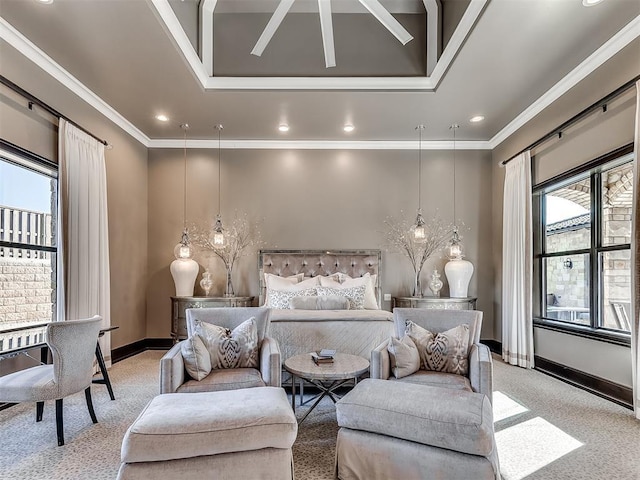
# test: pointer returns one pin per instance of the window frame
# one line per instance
(22, 158)
(592, 170)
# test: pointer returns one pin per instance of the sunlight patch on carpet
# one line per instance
(505, 407)
(529, 446)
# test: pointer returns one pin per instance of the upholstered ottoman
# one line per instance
(230, 434)
(409, 431)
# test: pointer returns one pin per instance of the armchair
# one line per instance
(72, 344)
(174, 378)
(480, 375)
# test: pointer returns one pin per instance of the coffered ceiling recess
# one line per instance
(319, 44)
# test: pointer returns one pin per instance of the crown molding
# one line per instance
(319, 144)
(624, 37)
(21, 43)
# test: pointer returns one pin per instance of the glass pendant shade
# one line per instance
(218, 238)
(183, 250)
(455, 247)
(418, 230)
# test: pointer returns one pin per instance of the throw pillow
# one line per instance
(404, 356)
(330, 302)
(230, 349)
(196, 357)
(276, 282)
(281, 298)
(354, 294)
(442, 352)
(345, 281)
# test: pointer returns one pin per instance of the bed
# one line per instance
(354, 331)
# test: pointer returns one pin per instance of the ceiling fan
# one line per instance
(326, 25)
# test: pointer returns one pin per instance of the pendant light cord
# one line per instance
(454, 127)
(219, 127)
(420, 169)
(185, 127)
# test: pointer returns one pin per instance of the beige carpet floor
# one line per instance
(545, 429)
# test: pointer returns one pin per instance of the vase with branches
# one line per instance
(398, 238)
(243, 237)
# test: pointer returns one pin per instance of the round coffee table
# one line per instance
(325, 376)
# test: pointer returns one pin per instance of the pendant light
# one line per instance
(184, 269)
(183, 249)
(219, 239)
(418, 230)
(455, 247)
(457, 270)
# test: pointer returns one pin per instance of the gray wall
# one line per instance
(309, 199)
(126, 181)
(596, 135)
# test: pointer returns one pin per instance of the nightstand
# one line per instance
(179, 306)
(445, 303)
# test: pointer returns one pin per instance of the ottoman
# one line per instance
(410, 431)
(231, 434)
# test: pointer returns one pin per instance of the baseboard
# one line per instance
(612, 391)
(140, 346)
(494, 345)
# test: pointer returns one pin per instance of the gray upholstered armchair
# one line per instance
(480, 376)
(174, 378)
(73, 345)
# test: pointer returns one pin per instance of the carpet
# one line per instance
(545, 429)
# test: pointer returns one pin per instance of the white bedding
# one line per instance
(347, 331)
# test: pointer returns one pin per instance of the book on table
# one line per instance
(323, 356)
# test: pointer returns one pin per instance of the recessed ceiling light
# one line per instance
(45, 1)
(283, 127)
(591, 3)
(348, 128)
(476, 119)
(162, 118)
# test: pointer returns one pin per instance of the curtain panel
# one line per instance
(635, 262)
(517, 263)
(84, 241)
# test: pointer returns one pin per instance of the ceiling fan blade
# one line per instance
(326, 25)
(272, 26)
(385, 18)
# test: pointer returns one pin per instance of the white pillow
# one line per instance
(355, 295)
(295, 282)
(281, 298)
(197, 360)
(368, 280)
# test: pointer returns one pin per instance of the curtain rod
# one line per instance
(600, 104)
(48, 108)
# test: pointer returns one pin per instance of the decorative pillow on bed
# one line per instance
(354, 294)
(281, 284)
(281, 298)
(196, 357)
(404, 356)
(345, 281)
(442, 352)
(276, 281)
(227, 348)
(328, 302)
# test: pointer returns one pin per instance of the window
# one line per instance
(28, 206)
(582, 236)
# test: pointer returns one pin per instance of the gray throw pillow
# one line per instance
(230, 349)
(329, 302)
(354, 294)
(442, 352)
(196, 357)
(404, 356)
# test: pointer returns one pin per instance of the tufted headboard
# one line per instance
(354, 263)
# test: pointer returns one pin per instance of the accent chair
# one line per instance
(73, 345)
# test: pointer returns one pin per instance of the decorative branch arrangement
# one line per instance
(399, 238)
(243, 237)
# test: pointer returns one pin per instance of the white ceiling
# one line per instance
(519, 55)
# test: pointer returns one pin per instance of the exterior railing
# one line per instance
(26, 227)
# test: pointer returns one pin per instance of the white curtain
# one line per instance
(635, 261)
(83, 222)
(517, 262)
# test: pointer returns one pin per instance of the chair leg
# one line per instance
(39, 411)
(59, 422)
(87, 394)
